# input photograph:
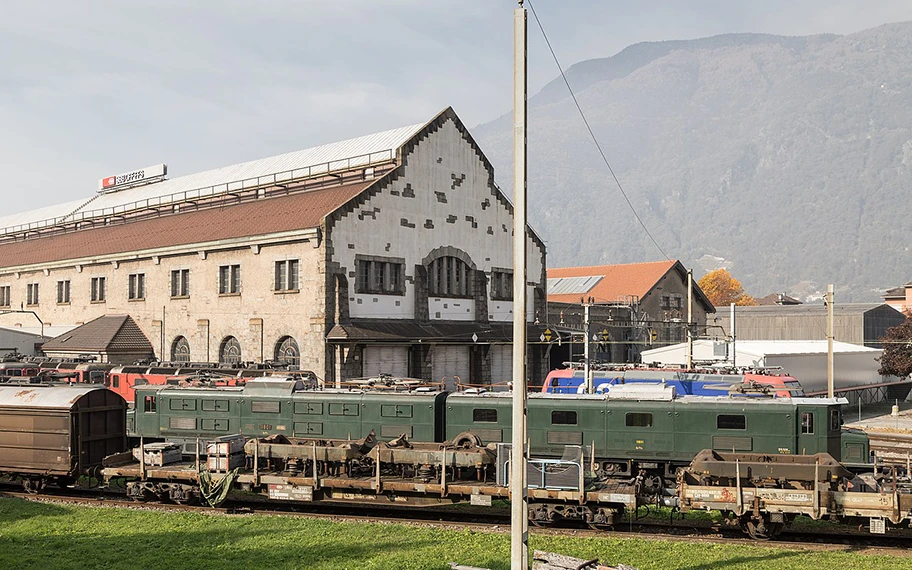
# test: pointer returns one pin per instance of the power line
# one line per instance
(592, 134)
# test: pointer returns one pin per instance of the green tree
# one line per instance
(723, 289)
(897, 350)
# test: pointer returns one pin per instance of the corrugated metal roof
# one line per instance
(571, 285)
(347, 154)
(56, 397)
(814, 308)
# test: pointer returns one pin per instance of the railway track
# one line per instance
(495, 519)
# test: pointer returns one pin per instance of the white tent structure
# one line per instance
(806, 360)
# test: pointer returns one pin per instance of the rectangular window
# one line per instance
(180, 283)
(149, 404)
(563, 418)
(229, 279)
(286, 275)
(729, 421)
(137, 287)
(380, 277)
(835, 420)
(31, 294)
(5, 300)
(638, 419)
(807, 423)
(502, 285)
(98, 289)
(63, 292)
(484, 415)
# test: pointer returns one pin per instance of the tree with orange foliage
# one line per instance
(723, 289)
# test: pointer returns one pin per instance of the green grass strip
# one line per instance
(51, 536)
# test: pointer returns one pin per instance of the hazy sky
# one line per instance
(92, 88)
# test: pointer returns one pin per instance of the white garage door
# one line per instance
(450, 361)
(385, 360)
(501, 356)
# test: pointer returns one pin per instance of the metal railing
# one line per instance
(213, 191)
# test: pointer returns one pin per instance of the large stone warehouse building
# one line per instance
(387, 253)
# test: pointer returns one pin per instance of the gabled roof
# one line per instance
(611, 283)
(110, 333)
(605, 283)
(896, 293)
(165, 227)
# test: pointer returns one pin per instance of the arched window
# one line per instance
(287, 351)
(230, 351)
(180, 350)
(450, 276)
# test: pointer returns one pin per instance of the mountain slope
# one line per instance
(789, 158)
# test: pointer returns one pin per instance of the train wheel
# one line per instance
(760, 529)
(33, 485)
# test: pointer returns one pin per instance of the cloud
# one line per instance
(96, 87)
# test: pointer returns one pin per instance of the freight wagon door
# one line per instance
(501, 363)
(386, 360)
(450, 361)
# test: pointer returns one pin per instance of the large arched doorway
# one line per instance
(230, 351)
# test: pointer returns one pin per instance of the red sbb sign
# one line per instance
(142, 176)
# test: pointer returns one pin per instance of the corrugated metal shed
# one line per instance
(45, 397)
(351, 153)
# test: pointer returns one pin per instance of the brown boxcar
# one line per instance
(57, 433)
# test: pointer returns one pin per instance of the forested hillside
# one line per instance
(786, 159)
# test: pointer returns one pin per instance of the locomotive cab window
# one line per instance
(563, 418)
(484, 415)
(731, 421)
(638, 419)
(835, 420)
(149, 404)
(807, 423)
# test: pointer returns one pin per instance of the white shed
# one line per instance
(806, 360)
(28, 340)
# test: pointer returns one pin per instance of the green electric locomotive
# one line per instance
(619, 435)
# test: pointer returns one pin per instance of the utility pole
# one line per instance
(690, 340)
(829, 304)
(732, 306)
(587, 368)
(519, 499)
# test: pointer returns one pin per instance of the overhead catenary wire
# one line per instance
(592, 134)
